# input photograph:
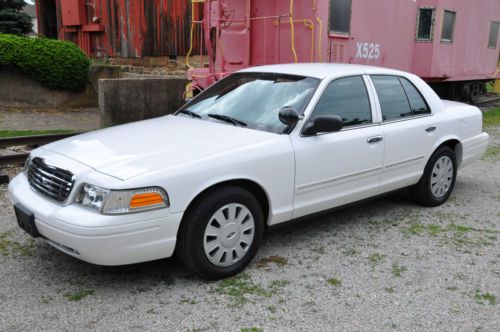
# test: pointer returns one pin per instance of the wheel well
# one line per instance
(457, 148)
(253, 187)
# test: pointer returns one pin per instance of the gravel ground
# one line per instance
(384, 265)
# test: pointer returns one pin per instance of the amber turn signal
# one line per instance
(146, 199)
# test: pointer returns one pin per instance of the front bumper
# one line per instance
(97, 238)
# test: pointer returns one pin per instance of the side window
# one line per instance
(425, 24)
(493, 39)
(340, 16)
(392, 97)
(417, 102)
(448, 26)
(346, 97)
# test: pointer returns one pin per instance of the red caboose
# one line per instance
(453, 44)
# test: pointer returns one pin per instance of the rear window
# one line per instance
(398, 97)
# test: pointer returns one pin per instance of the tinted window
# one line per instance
(417, 102)
(448, 26)
(347, 98)
(392, 97)
(340, 16)
(492, 42)
(425, 22)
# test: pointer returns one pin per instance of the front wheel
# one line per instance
(221, 233)
(438, 180)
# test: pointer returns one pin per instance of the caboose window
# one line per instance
(425, 22)
(448, 26)
(340, 16)
(492, 42)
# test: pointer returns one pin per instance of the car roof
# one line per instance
(319, 70)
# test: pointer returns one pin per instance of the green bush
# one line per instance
(56, 64)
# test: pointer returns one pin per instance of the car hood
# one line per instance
(130, 150)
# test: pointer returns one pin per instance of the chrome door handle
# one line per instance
(430, 128)
(374, 139)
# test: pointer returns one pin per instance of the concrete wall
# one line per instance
(133, 99)
(20, 91)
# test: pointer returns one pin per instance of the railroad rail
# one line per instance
(9, 157)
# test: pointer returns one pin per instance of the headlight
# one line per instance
(92, 196)
(122, 201)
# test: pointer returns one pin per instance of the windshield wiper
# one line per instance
(228, 119)
(191, 113)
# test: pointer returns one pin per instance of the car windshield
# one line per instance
(252, 100)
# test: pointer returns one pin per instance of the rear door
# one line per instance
(409, 130)
(334, 169)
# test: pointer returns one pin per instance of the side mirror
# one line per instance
(288, 115)
(323, 124)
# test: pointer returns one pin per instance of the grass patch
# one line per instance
(335, 282)
(14, 133)
(74, 297)
(278, 260)
(493, 152)
(251, 329)
(485, 297)
(241, 287)
(10, 246)
(389, 290)
(376, 259)
(397, 270)
(491, 117)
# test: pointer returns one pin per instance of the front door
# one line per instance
(334, 169)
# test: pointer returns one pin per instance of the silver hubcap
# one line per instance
(229, 234)
(442, 176)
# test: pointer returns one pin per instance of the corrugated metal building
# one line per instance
(120, 28)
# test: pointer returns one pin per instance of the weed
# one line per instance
(9, 246)
(491, 117)
(251, 329)
(239, 288)
(278, 260)
(78, 295)
(13, 133)
(376, 259)
(272, 309)
(492, 152)
(389, 290)
(415, 229)
(482, 297)
(335, 282)
(397, 270)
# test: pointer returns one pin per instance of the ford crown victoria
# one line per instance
(262, 146)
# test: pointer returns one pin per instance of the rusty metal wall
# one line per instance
(131, 28)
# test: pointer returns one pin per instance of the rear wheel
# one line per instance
(438, 180)
(221, 233)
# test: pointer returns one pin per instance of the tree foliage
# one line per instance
(12, 19)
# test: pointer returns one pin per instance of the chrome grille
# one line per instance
(48, 180)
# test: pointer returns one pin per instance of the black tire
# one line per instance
(422, 191)
(190, 239)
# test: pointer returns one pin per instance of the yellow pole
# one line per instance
(496, 88)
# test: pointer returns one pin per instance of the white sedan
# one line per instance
(262, 146)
